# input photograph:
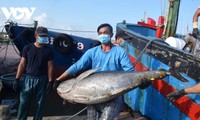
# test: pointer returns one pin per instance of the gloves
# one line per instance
(56, 84)
(16, 85)
(49, 86)
(144, 83)
(195, 32)
(173, 96)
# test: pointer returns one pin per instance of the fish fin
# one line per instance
(168, 72)
(87, 73)
(177, 75)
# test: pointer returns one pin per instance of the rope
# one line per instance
(139, 56)
(8, 76)
(2, 29)
(6, 47)
(15, 48)
(25, 24)
(72, 30)
(3, 48)
(77, 114)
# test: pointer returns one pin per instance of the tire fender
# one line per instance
(63, 43)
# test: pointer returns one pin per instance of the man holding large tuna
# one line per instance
(107, 57)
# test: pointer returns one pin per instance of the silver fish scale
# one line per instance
(103, 86)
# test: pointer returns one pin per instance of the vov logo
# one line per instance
(18, 13)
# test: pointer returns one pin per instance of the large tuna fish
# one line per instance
(92, 88)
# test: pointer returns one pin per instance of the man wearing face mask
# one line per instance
(37, 60)
(108, 57)
(120, 39)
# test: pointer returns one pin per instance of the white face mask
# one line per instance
(104, 38)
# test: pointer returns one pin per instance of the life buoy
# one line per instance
(63, 43)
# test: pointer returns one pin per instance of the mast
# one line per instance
(172, 18)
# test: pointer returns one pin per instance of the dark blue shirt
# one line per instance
(37, 59)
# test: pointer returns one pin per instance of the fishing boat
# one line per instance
(149, 50)
(67, 48)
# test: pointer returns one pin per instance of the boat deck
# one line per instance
(123, 116)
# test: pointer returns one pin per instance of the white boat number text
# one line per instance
(80, 46)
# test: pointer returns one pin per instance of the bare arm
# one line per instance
(193, 90)
(21, 68)
(195, 18)
(62, 76)
(50, 70)
(196, 15)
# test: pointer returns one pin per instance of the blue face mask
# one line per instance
(42, 40)
(122, 43)
(104, 38)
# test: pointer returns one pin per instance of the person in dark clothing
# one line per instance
(37, 59)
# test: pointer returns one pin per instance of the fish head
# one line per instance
(66, 86)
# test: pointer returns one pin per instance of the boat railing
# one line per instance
(188, 62)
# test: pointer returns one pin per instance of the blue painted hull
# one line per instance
(63, 59)
(152, 101)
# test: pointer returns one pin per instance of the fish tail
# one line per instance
(158, 74)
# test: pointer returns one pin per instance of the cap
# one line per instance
(122, 34)
(41, 31)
